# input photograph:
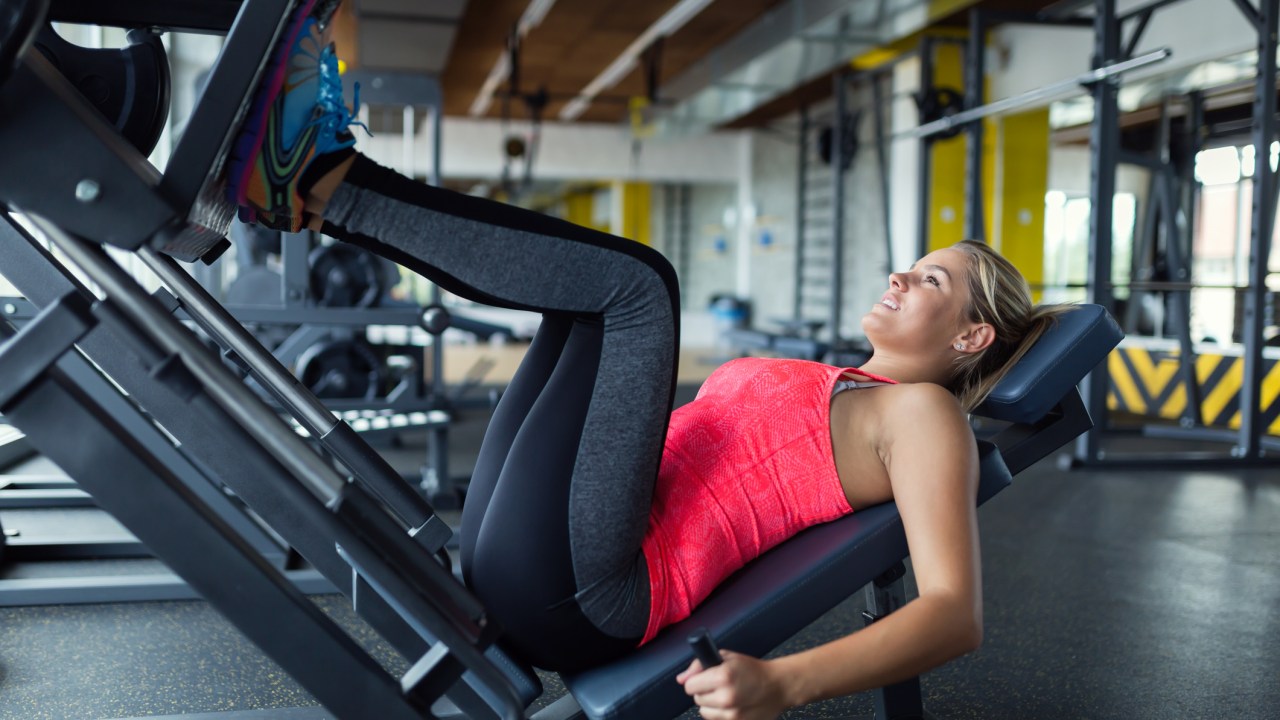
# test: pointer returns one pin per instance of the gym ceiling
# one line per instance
(571, 44)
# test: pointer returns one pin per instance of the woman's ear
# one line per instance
(976, 339)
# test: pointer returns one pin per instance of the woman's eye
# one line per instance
(932, 279)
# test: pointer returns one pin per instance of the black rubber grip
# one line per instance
(704, 648)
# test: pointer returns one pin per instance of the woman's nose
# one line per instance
(897, 281)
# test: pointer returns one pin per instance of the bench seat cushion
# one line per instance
(762, 605)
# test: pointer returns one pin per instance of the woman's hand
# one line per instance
(740, 688)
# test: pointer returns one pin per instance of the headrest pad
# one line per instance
(1081, 338)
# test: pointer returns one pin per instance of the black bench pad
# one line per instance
(792, 585)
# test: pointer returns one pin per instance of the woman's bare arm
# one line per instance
(929, 452)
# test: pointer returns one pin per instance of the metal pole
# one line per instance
(436, 480)
(1104, 142)
(882, 160)
(302, 404)
(1180, 265)
(837, 206)
(903, 699)
(406, 142)
(925, 161)
(683, 193)
(1178, 259)
(1142, 265)
(1264, 187)
(801, 191)
(974, 89)
(1038, 96)
(295, 271)
(284, 445)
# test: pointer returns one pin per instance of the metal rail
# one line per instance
(1031, 97)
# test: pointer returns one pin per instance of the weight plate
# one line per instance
(345, 275)
(346, 369)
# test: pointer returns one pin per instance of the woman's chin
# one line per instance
(871, 323)
(875, 316)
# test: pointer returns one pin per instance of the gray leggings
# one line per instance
(557, 508)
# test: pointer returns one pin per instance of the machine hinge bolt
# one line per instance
(88, 190)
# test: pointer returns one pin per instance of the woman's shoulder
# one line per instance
(906, 401)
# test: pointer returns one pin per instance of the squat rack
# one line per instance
(1114, 55)
(1110, 46)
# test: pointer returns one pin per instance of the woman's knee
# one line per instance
(663, 270)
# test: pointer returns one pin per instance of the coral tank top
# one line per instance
(746, 465)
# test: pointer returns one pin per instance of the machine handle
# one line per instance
(704, 648)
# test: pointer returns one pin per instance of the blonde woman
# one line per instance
(595, 512)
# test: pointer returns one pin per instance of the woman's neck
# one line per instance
(907, 370)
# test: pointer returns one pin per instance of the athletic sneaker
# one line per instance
(297, 118)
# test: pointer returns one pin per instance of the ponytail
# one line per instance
(975, 382)
(998, 296)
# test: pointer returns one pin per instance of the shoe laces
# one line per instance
(333, 116)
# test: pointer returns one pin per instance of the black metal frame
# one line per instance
(333, 521)
(1113, 49)
(975, 87)
(1168, 216)
(191, 539)
(802, 185)
(414, 589)
(840, 90)
(31, 269)
(1249, 447)
(1264, 212)
(211, 16)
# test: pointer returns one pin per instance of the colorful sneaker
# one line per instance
(297, 116)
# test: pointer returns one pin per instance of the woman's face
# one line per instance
(922, 310)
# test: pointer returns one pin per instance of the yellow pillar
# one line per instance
(579, 207)
(637, 212)
(946, 176)
(1024, 162)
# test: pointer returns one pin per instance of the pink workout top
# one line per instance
(746, 465)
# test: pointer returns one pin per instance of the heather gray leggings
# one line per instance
(558, 504)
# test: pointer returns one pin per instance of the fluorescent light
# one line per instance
(496, 75)
(673, 20)
(532, 17)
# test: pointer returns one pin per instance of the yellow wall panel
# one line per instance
(946, 178)
(1025, 179)
(637, 203)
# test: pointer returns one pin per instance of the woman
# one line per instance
(594, 512)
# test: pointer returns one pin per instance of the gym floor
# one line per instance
(1108, 594)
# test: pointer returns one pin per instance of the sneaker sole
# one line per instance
(248, 143)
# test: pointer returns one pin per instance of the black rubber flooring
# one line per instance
(1108, 594)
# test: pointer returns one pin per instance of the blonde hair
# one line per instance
(1000, 297)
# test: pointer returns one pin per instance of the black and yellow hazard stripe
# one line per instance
(1145, 381)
